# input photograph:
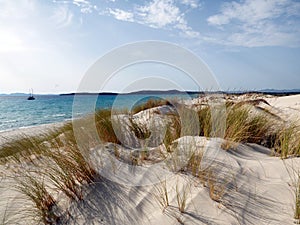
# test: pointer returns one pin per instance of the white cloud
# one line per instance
(251, 11)
(159, 13)
(164, 14)
(192, 3)
(85, 6)
(62, 16)
(258, 23)
(121, 15)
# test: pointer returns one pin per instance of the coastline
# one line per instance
(251, 182)
(288, 107)
(9, 135)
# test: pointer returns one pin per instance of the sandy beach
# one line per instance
(246, 184)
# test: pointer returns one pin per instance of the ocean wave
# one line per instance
(59, 115)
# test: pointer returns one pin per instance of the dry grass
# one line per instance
(172, 132)
(161, 194)
(139, 130)
(242, 126)
(194, 163)
(287, 142)
(182, 196)
(151, 103)
(105, 127)
(22, 148)
(45, 207)
(297, 203)
(58, 159)
(50, 162)
(216, 189)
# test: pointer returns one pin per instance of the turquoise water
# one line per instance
(17, 112)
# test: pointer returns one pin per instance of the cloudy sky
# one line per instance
(247, 44)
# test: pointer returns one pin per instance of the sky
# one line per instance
(247, 44)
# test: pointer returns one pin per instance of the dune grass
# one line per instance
(151, 103)
(23, 147)
(182, 196)
(172, 131)
(139, 130)
(105, 128)
(47, 165)
(287, 141)
(44, 205)
(57, 159)
(297, 201)
(241, 126)
(161, 194)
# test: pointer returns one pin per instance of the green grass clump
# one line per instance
(139, 130)
(22, 148)
(45, 207)
(151, 103)
(182, 196)
(161, 194)
(241, 125)
(105, 128)
(297, 204)
(53, 162)
(287, 142)
(205, 121)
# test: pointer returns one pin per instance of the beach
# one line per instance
(190, 179)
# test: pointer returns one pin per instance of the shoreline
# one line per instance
(286, 106)
(8, 135)
(225, 176)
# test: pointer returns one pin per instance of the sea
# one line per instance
(18, 112)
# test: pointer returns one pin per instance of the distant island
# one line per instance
(174, 92)
(275, 92)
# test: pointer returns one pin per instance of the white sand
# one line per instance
(255, 187)
(287, 107)
(27, 131)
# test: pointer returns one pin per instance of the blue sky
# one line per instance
(49, 45)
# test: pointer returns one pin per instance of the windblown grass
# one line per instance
(297, 203)
(66, 167)
(162, 194)
(50, 162)
(182, 196)
(151, 103)
(105, 128)
(287, 142)
(45, 207)
(22, 148)
(172, 132)
(139, 130)
(241, 125)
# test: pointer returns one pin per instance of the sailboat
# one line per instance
(31, 97)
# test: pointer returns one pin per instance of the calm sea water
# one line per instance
(17, 112)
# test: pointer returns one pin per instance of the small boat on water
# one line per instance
(31, 97)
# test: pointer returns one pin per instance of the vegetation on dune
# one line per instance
(161, 193)
(241, 126)
(182, 196)
(151, 103)
(297, 202)
(105, 128)
(287, 141)
(45, 207)
(44, 166)
(56, 164)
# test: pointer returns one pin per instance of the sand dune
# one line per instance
(244, 185)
